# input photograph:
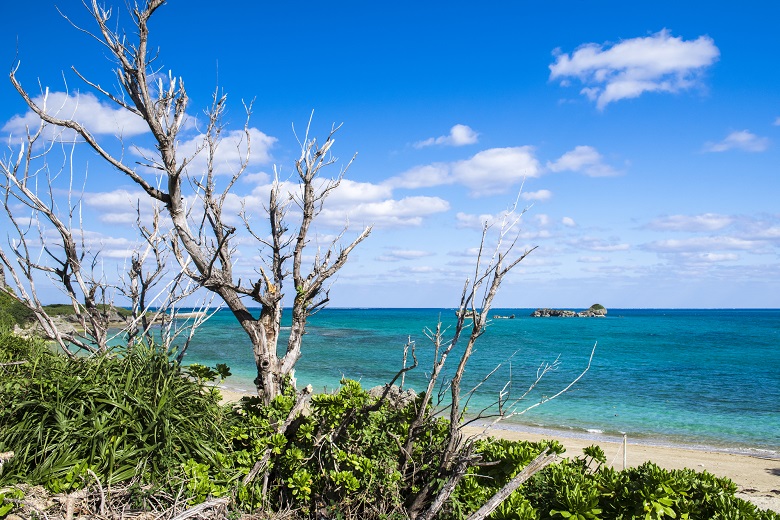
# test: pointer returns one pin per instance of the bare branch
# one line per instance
(543, 460)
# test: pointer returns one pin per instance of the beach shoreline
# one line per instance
(757, 478)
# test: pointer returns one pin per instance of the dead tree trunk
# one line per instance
(204, 245)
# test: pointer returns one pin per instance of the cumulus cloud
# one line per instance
(119, 206)
(427, 176)
(495, 170)
(98, 117)
(657, 63)
(107, 246)
(542, 219)
(229, 154)
(460, 135)
(583, 159)
(488, 172)
(540, 195)
(472, 221)
(740, 140)
(256, 178)
(408, 211)
(691, 223)
(568, 222)
(350, 192)
(356, 202)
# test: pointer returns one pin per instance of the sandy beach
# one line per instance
(757, 479)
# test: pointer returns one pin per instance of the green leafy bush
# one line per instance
(12, 312)
(138, 417)
(120, 415)
(569, 490)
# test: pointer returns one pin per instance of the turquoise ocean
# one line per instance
(695, 378)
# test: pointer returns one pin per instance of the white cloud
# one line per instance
(600, 245)
(403, 254)
(710, 257)
(256, 178)
(460, 135)
(357, 202)
(593, 259)
(584, 159)
(350, 192)
(739, 140)
(542, 219)
(466, 220)
(703, 222)
(777, 122)
(228, 155)
(540, 195)
(568, 222)
(703, 244)
(408, 211)
(98, 117)
(106, 246)
(488, 172)
(495, 170)
(424, 269)
(120, 206)
(657, 63)
(436, 174)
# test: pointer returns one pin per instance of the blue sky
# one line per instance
(645, 135)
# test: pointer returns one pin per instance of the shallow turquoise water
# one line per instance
(692, 377)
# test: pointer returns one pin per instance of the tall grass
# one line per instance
(122, 414)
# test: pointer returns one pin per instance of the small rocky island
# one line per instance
(595, 311)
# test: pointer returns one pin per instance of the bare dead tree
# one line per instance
(62, 254)
(155, 315)
(458, 454)
(51, 240)
(203, 242)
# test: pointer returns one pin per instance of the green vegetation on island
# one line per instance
(12, 312)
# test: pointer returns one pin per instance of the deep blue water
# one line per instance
(692, 377)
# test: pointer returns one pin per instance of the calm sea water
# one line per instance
(700, 378)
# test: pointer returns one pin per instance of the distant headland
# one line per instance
(594, 311)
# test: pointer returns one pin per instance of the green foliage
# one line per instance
(501, 460)
(340, 457)
(12, 312)
(120, 416)
(596, 307)
(6, 505)
(570, 489)
(204, 374)
(136, 416)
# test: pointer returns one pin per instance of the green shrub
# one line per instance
(120, 416)
(570, 490)
(12, 312)
(136, 416)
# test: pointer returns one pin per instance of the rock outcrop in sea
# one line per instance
(595, 311)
